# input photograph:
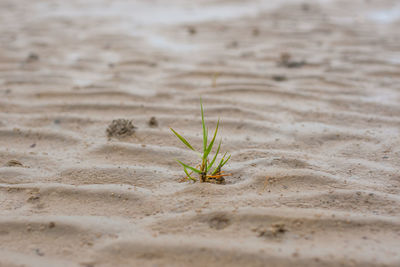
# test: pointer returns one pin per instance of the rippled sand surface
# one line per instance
(314, 137)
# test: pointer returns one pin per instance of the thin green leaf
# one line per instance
(219, 165)
(206, 141)
(188, 175)
(225, 161)
(204, 127)
(215, 157)
(189, 167)
(183, 140)
(212, 142)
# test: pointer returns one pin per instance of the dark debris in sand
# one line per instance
(286, 61)
(120, 128)
(153, 122)
(14, 163)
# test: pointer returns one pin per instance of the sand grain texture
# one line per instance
(314, 137)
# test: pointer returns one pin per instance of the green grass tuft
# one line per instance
(204, 171)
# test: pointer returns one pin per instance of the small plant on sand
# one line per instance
(205, 169)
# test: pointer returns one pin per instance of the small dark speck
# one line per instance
(33, 145)
(256, 32)
(57, 121)
(305, 7)
(385, 157)
(153, 122)
(279, 78)
(192, 30)
(38, 252)
(32, 57)
(233, 44)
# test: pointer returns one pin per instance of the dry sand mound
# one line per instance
(308, 95)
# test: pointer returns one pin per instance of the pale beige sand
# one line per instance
(327, 138)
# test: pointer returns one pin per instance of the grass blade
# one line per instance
(212, 142)
(225, 161)
(219, 165)
(183, 140)
(215, 157)
(189, 167)
(204, 127)
(188, 175)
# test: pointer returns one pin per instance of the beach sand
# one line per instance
(308, 96)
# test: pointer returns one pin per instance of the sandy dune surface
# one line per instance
(308, 94)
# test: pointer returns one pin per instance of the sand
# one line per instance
(308, 95)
